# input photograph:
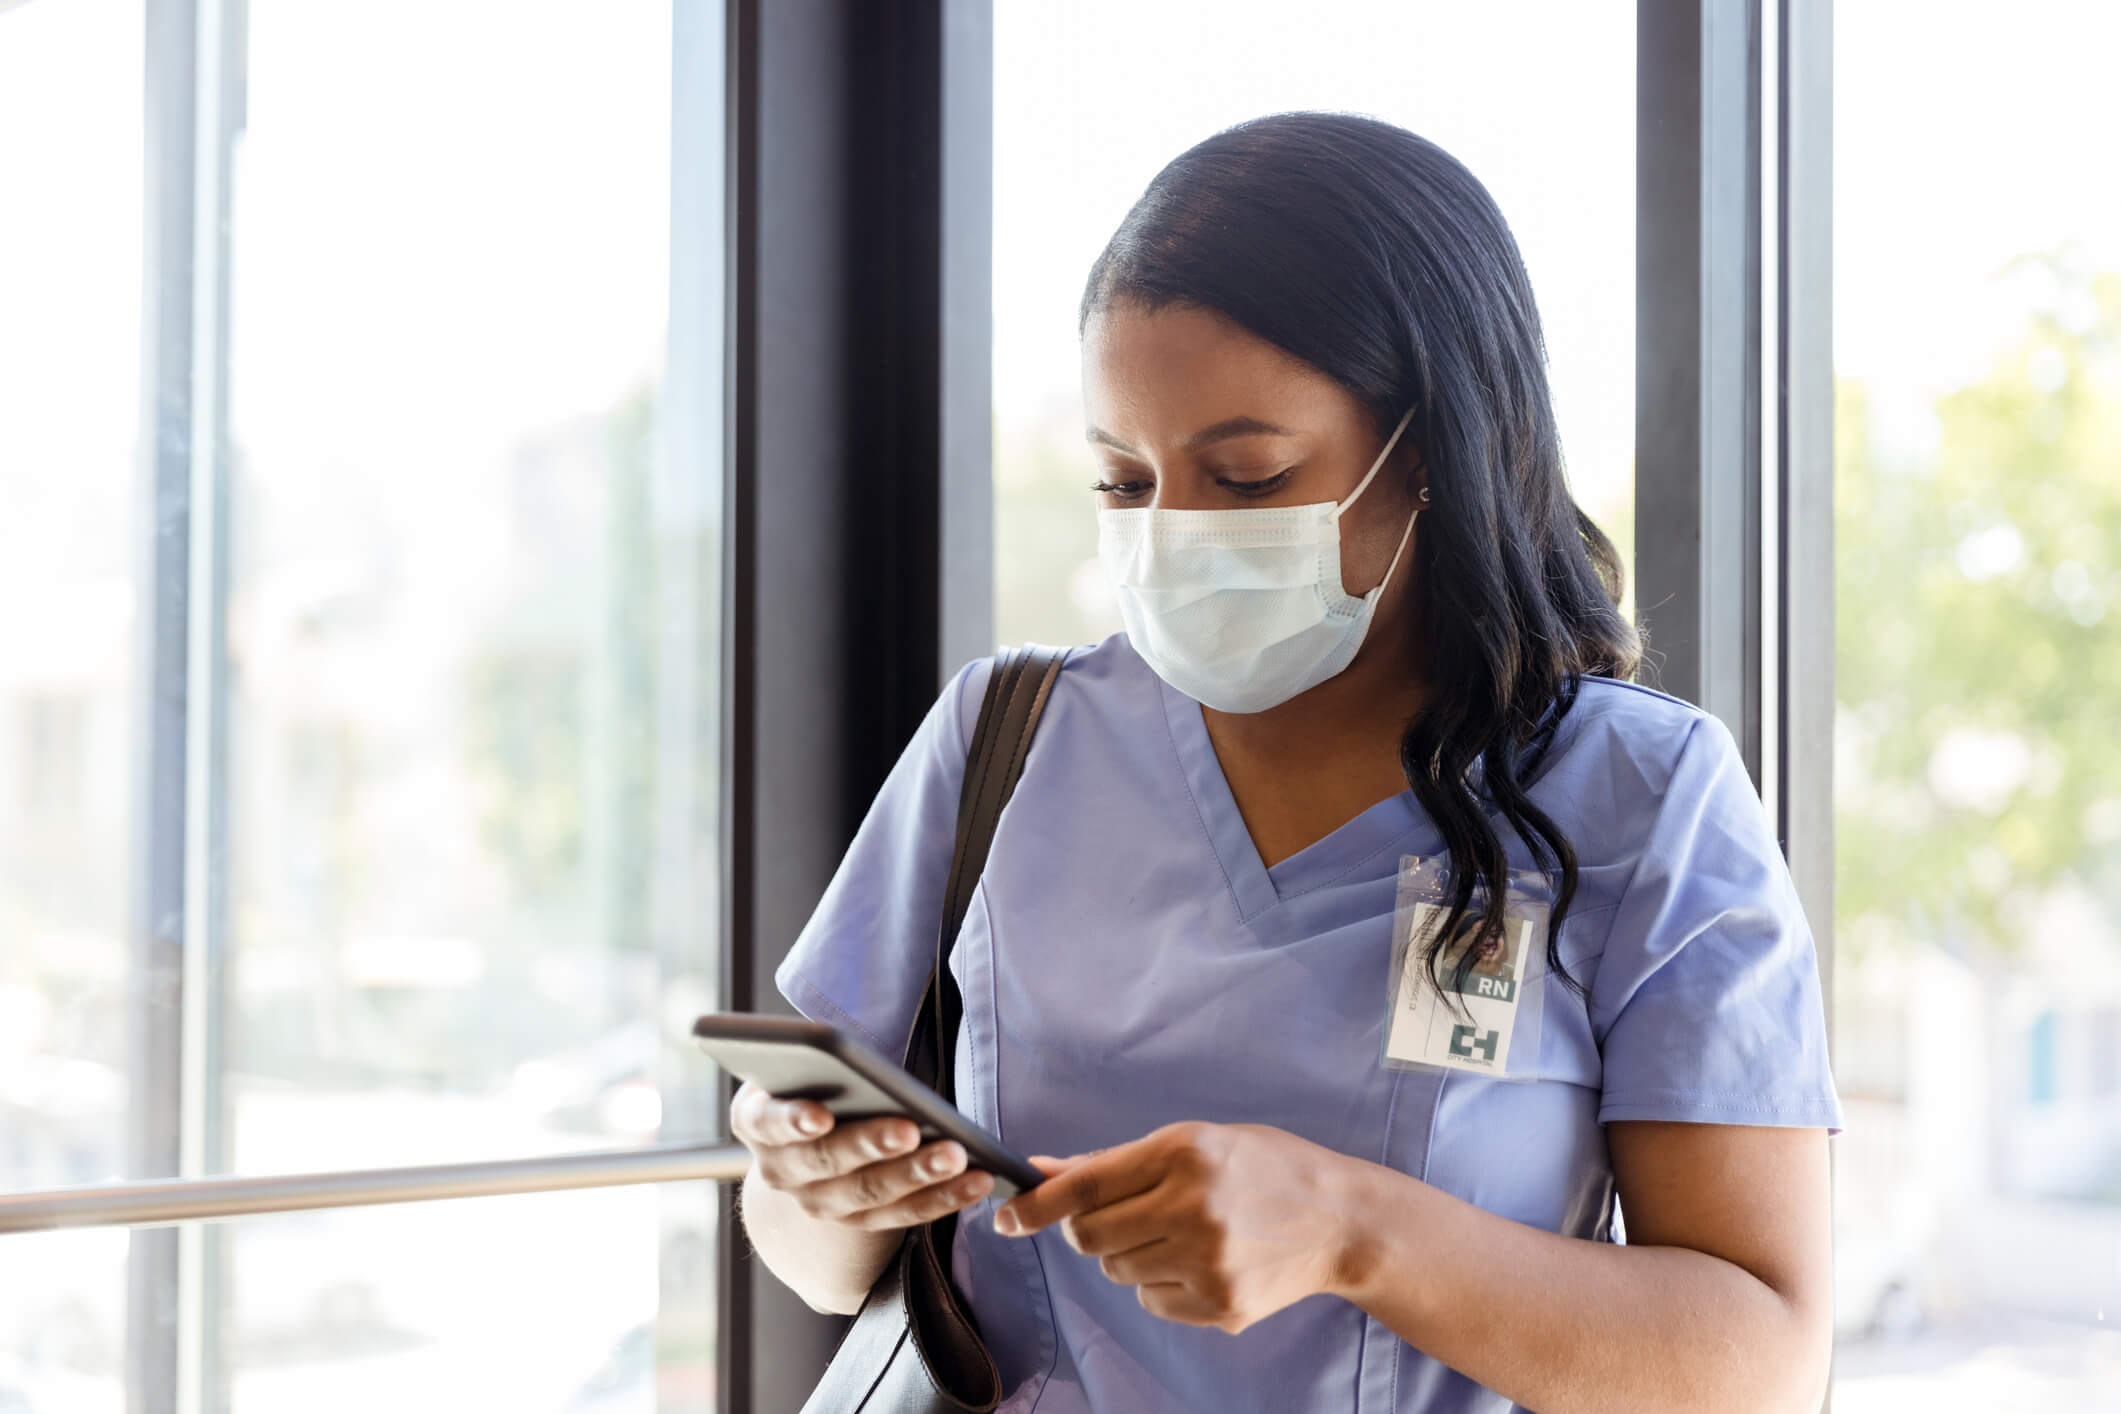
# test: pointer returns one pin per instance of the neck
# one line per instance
(1301, 770)
(1353, 719)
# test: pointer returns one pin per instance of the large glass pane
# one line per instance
(439, 779)
(547, 1302)
(1978, 776)
(70, 260)
(592, 1302)
(62, 1322)
(469, 752)
(1537, 97)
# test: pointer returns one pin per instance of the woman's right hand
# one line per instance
(873, 1174)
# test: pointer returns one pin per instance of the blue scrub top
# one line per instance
(1128, 962)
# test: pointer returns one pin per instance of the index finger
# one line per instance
(758, 1118)
(1082, 1187)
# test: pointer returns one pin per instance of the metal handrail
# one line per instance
(161, 1201)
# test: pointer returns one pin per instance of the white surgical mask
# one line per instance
(1241, 609)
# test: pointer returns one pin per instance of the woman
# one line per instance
(1365, 623)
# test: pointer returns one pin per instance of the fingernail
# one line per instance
(897, 1139)
(810, 1122)
(1006, 1224)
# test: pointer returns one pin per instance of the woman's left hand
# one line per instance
(1215, 1224)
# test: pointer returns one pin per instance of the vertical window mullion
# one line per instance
(1806, 818)
(1805, 470)
(734, 840)
(1697, 382)
(155, 1006)
(686, 512)
(857, 511)
(174, 1026)
(203, 1140)
(965, 401)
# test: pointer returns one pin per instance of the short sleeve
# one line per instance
(863, 959)
(1706, 1003)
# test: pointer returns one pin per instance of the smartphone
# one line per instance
(792, 1059)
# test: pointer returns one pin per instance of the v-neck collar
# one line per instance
(1255, 887)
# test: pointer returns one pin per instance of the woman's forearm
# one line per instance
(830, 1265)
(1568, 1326)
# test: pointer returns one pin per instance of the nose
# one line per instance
(1182, 488)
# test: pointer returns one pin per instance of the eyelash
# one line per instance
(1134, 490)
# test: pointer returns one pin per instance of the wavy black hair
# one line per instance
(1374, 256)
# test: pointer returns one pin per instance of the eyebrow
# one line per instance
(1218, 432)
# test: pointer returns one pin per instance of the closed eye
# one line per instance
(1266, 487)
(1135, 490)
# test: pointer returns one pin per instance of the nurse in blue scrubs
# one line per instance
(1364, 623)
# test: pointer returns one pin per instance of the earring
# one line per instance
(1425, 495)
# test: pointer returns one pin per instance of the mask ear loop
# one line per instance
(1364, 485)
(1371, 474)
(1404, 537)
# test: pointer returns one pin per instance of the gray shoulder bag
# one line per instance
(913, 1348)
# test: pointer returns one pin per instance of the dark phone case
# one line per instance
(807, 1060)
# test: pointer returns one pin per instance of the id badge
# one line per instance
(1486, 1020)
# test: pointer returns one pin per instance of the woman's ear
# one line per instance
(1420, 472)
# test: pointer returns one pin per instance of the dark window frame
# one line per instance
(858, 560)
(1734, 468)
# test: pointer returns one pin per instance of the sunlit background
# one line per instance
(469, 764)
(461, 814)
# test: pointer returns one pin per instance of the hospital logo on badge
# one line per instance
(1468, 1025)
(1465, 1040)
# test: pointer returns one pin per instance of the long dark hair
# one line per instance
(1374, 256)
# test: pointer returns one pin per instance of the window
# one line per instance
(69, 319)
(358, 733)
(1977, 320)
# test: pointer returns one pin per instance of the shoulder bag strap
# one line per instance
(1017, 689)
